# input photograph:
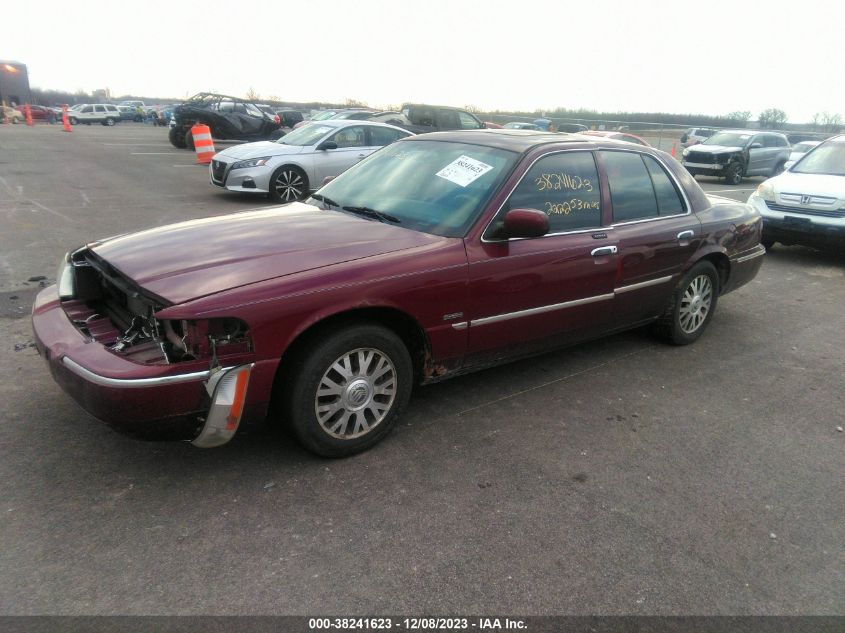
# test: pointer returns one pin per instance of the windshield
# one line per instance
(804, 147)
(827, 160)
(430, 186)
(728, 139)
(306, 135)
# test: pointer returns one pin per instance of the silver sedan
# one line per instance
(289, 168)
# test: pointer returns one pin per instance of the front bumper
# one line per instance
(704, 168)
(154, 402)
(249, 180)
(798, 228)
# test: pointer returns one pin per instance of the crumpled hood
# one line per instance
(192, 259)
(713, 149)
(258, 150)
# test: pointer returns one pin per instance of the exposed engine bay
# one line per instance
(114, 311)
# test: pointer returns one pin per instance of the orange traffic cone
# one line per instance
(673, 150)
(203, 145)
(65, 122)
(28, 113)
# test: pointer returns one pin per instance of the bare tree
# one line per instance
(740, 116)
(831, 121)
(252, 95)
(772, 117)
(354, 103)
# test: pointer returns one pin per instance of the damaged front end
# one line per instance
(114, 311)
(171, 356)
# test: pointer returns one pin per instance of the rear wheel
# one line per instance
(109, 122)
(348, 389)
(767, 243)
(288, 184)
(691, 306)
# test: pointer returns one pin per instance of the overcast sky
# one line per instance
(680, 56)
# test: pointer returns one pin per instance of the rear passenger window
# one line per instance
(381, 136)
(669, 201)
(566, 187)
(631, 191)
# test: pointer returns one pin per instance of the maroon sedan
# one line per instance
(435, 256)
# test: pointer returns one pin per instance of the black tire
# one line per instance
(346, 430)
(778, 169)
(675, 327)
(768, 243)
(109, 122)
(176, 137)
(733, 173)
(72, 120)
(288, 184)
(189, 140)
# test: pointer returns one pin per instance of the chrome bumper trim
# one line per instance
(132, 383)
(758, 253)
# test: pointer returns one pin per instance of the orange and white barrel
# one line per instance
(203, 145)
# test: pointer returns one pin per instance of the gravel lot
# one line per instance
(618, 477)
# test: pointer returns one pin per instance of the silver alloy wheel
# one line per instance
(695, 303)
(289, 185)
(355, 393)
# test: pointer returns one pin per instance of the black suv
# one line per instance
(228, 117)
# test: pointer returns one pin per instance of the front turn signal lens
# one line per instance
(227, 388)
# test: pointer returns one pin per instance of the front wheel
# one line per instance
(733, 175)
(691, 306)
(348, 390)
(288, 184)
(176, 137)
(72, 120)
(778, 169)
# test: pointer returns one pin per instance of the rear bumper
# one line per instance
(744, 267)
(153, 402)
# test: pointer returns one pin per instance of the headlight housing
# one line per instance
(252, 162)
(685, 153)
(765, 191)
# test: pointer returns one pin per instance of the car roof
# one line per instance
(350, 122)
(513, 139)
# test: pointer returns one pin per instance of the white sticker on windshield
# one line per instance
(463, 170)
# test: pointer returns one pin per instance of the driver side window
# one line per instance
(565, 186)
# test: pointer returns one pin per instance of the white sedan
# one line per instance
(296, 164)
(806, 203)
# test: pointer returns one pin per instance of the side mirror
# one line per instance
(327, 180)
(788, 165)
(525, 223)
(755, 146)
(327, 145)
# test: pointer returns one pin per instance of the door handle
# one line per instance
(362, 155)
(603, 250)
(685, 235)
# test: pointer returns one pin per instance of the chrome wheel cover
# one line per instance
(355, 393)
(289, 185)
(695, 304)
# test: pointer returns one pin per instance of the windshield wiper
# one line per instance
(322, 198)
(372, 213)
